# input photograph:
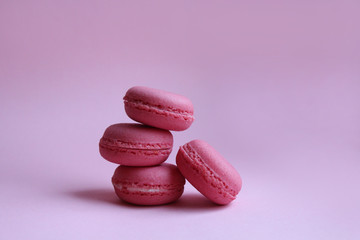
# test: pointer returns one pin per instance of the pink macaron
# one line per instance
(155, 185)
(133, 144)
(159, 108)
(208, 172)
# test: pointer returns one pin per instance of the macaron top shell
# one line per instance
(138, 136)
(161, 99)
(164, 173)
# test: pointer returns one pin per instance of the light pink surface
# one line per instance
(275, 87)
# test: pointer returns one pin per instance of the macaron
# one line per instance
(133, 144)
(209, 172)
(155, 185)
(159, 108)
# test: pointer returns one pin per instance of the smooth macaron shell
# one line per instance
(159, 108)
(155, 185)
(208, 171)
(133, 144)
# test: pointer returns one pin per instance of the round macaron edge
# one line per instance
(203, 177)
(155, 185)
(134, 144)
(159, 108)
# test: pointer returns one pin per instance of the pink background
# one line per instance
(276, 90)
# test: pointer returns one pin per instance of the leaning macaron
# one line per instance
(159, 108)
(155, 185)
(133, 144)
(208, 172)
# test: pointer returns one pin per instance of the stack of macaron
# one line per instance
(142, 148)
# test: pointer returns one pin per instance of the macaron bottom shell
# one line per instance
(134, 157)
(156, 118)
(147, 195)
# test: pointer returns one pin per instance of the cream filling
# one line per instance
(138, 189)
